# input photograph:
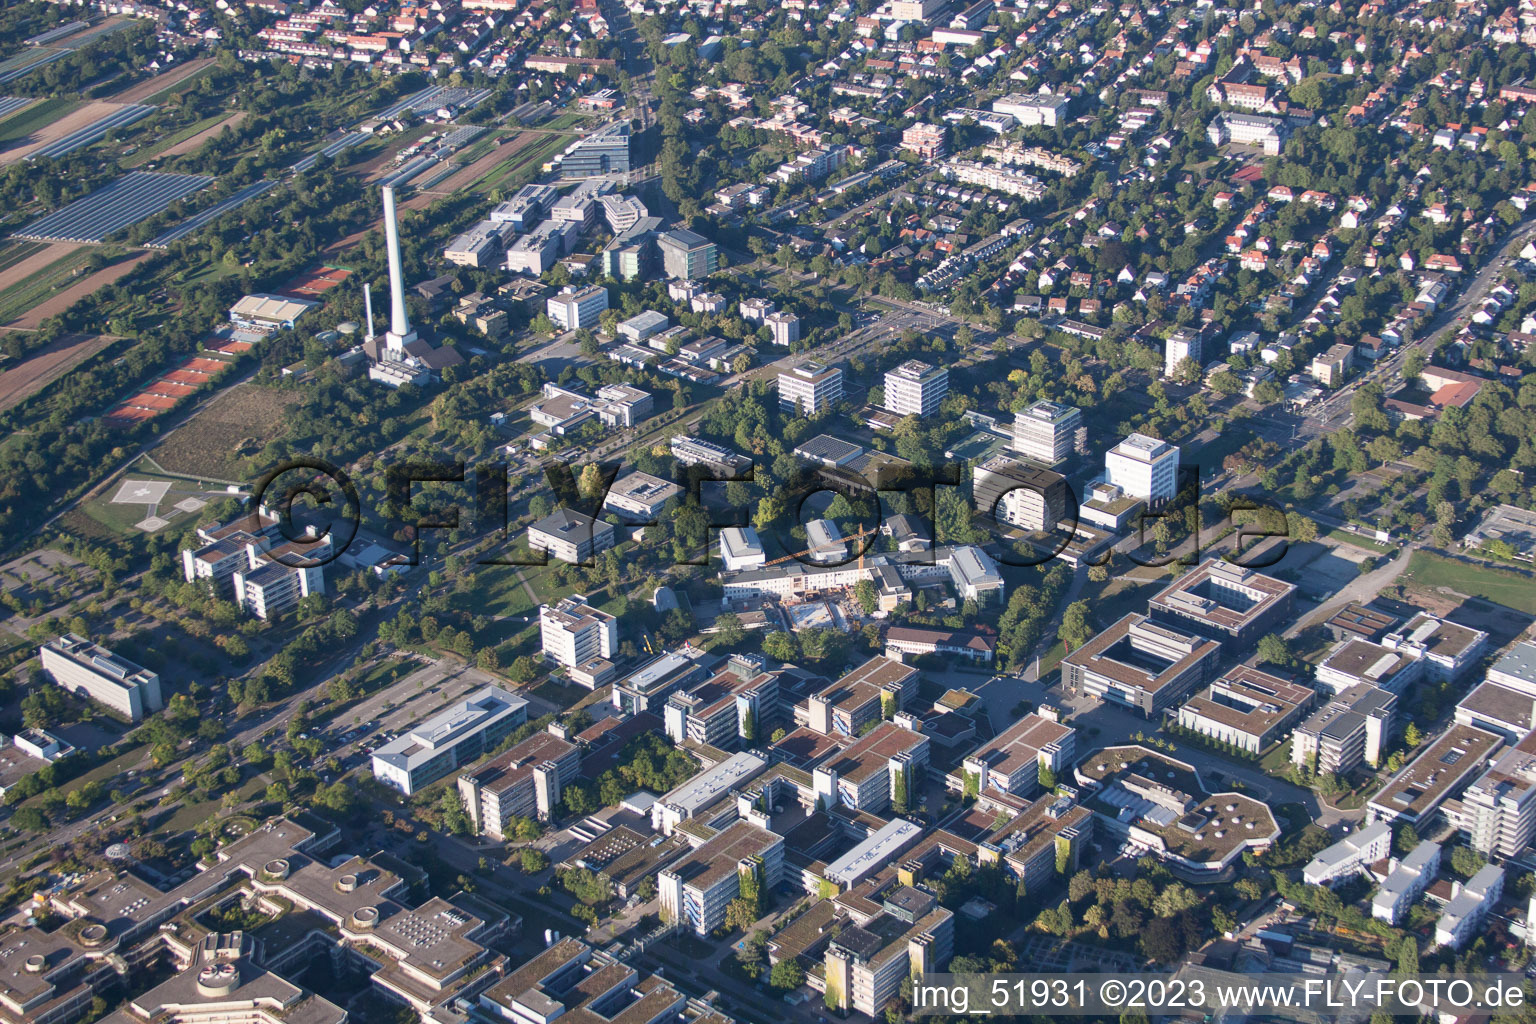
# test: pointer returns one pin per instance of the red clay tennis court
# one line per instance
(204, 365)
(232, 347)
(193, 377)
(171, 389)
(145, 400)
(315, 282)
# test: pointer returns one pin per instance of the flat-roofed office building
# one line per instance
(90, 670)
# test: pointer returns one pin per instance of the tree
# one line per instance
(1076, 628)
(786, 975)
(729, 629)
(740, 914)
(1412, 735)
(869, 599)
(781, 646)
(1273, 650)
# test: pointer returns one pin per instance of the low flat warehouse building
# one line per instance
(467, 729)
(1360, 661)
(1141, 665)
(90, 670)
(1413, 795)
(1246, 708)
(1224, 601)
(523, 782)
(1445, 649)
(696, 890)
(704, 789)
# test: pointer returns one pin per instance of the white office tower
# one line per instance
(400, 333)
(1144, 467)
(1049, 432)
(574, 633)
(915, 388)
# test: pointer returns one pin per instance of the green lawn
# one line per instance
(181, 86)
(1510, 589)
(148, 152)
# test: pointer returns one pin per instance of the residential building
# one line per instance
(1331, 367)
(571, 536)
(810, 388)
(605, 151)
(1246, 708)
(1225, 601)
(1015, 492)
(696, 890)
(915, 10)
(1405, 882)
(687, 256)
(1142, 665)
(1144, 467)
(915, 388)
(1499, 809)
(1440, 771)
(90, 670)
(524, 781)
(1350, 856)
(1360, 661)
(622, 212)
(1469, 907)
(1446, 649)
(867, 962)
(1350, 729)
(1012, 760)
(455, 736)
(577, 636)
(928, 141)
(1049, 432)
(574, 307)
(1184, 343)
(1268, 133)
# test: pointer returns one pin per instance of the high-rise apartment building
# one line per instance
(575, 634)
(1144, 467)
(687, 256)
(1049, 432)
(810, 387)
(915, 388)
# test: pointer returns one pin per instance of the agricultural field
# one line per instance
(125, 202)
(216, 443)
(187, 140)
(25, 379)
(36, 275)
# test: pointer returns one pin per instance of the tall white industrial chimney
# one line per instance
(400, 333)
(368, 311)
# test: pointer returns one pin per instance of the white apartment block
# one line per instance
(1470, 905)
(915, 388)
(784, 326)
(577, 307)
(574, 633)
(1405, 882)
(1144, 467)
(1049, 432)
(810, 387)
(1499, 809)
(1182, 344)
(1350, 855)
(90, 670)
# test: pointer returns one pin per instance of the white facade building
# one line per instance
(1144, 467)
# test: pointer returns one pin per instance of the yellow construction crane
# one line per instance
(855, 537)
